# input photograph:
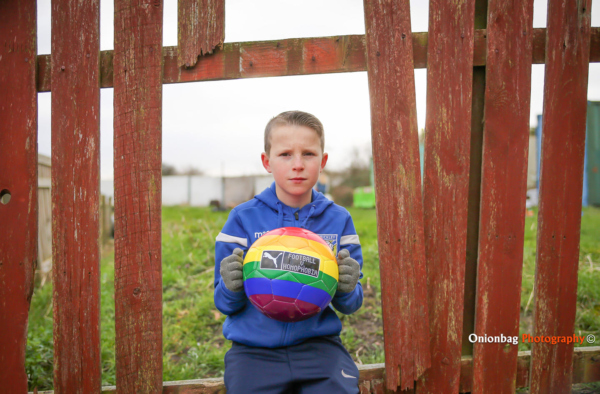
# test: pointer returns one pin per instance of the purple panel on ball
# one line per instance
(284, 309)
(260, 300)
(307, 308)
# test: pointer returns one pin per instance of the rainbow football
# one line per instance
(290, 274)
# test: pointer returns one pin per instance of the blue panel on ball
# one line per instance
(315, 296)
(286, 288)
(257, 286)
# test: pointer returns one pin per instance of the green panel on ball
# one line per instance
(252, 270)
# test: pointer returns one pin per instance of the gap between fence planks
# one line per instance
(292, 57)
(18, 176)
(137, 164)
(200, 29)
(559, 220)
(446, 185)
(503, 185)
(75, 196)
(398, 191)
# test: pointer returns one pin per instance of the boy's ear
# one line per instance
(324, 160)
(265, 162)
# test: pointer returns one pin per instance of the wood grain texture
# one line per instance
(446, 185)
(75, 196)
(18, 176)
(561, 183)
(349, 56)
(503, 189)
(398, 191)
(201, 29)
(137, 166)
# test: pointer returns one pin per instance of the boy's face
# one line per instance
(295, 160)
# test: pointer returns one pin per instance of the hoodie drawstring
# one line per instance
(312, 209)
(279, 215)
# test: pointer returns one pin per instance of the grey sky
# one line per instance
(218, 125)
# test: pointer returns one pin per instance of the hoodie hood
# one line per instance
(313, 209)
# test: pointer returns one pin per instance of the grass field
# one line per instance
(193, 346)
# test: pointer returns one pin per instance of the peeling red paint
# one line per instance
(503, 187)
(201, 29)
(137, 163)
(561, 183)
(446, 185)
(75, 196)
(18, 177)
(398, 191)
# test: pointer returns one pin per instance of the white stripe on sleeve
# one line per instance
(231, 239)
(349, 239)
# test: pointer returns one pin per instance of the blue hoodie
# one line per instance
(250, 220)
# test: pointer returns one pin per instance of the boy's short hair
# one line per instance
(296, 118)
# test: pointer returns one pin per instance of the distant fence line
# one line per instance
(200, 190)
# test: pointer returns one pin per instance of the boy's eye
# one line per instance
(309, 154)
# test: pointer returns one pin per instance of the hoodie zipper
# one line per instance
(296, 215)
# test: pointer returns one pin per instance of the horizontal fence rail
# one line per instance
(299, 56)
(586, 369)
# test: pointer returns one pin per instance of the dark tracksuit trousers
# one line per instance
(318, 365)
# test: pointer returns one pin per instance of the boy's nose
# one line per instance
(298, 164)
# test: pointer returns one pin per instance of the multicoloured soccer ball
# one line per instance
(290, 274)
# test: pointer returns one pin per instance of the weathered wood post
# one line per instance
(18, 185)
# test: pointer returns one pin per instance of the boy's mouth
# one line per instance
(297, 180)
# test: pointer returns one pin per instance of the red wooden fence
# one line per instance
(18, 185)
(446, 185)
(138, 142)
(559, 219)
(75, 196)
(426, 244)
(398, 191)
(503, 185)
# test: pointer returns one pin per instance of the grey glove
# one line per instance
(349, 272)
(231, 271)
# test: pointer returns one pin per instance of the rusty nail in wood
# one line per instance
(445, 361)
(403, 36)
(62, 68)
(378, 54)
(251, 64)
(137, 291)
(314, 58)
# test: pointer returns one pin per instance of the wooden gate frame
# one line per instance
(455, 240)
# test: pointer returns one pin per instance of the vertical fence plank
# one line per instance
(398, 191)
(18, 181)
(446, 184)
(503, 187)
(201, 29)
(559, 220)
(75, 195)
(137, 166)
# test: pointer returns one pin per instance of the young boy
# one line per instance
(268, 356)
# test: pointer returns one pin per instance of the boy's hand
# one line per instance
(231, 271)
(349, 272)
